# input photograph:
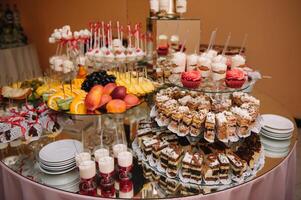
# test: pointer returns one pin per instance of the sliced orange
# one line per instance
(78, 106)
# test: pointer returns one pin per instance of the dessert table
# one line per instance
(276, 180)
(20, 63)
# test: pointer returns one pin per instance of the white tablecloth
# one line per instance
(18, 64)
(277, 184)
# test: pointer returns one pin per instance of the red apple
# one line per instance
(131, 100)
(119, 92)
(108, 89)
(93, 98)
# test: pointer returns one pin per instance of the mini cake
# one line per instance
(190, 189)
(244, 120)
(147, 171)
(235, 164)
(174, 160)
(231, 123)
(191, 79)
(240, 97)
(235, 78)
(109, 56)
(224, 166)
(186, 164)
(210, 127)
(164, 156)
(211, 168)
(238, 61)
(156, 149)
(173, 186)
(192, 61)
(204, 65)
(220, 59)
(218, 71)
(221, 126)
(162, 182)
(155, 175)
(196, 166)
(147, 146)
(221, 105)
(179, 62)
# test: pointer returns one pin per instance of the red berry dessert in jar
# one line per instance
(235, 78)
(191, 79)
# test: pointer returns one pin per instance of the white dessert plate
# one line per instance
(276, 150)
(275, 143)
(277, 138)
(57, 163)
(272, 154)
(277, 134)
(60, 180)
(57, 168)
(276, 122)
(56, 173)
(276, 130)
(60, 151)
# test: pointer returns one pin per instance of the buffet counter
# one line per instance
(276, 180)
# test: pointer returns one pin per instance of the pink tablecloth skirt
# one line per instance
(278, 184)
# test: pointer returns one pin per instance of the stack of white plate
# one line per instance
(67, 182)
(276, 133)
(59, 157)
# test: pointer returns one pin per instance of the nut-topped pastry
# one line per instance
(156, 149)
(244, 120)
(174, 160)
(210, 127)
(221, 124)
(196, 166)
(224, 166)
(211, 168)
(236, 164)
(187, 159)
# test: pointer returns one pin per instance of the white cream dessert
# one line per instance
(211, 53)
(192, 61)
(99, 153)
(109, 56)
(174, 41)
(67, 66)
(238, 61)
(181, 6)
(98, 56)
(204, 65)
(87, 169)
(218, 71)
(179, 60)
(140, 54)
(125, 159)
(117, 148)
(81, 157)
(220, 59)
(163, 40)
(131, 54)
(58, 64)
(120, 57)
(106, 165)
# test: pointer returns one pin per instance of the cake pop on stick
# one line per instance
(226, 44)
(243, 43)
(118, 30)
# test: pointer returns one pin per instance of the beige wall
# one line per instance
(274, 29)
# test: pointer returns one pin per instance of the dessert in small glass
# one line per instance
(87, 173)
(126, 189)
(81, 157)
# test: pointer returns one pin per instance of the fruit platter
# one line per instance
(99, 92)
